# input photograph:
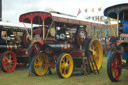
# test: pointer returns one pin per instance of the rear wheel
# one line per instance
(39, 64)
(94, 45)
(113, 66)
(64, 65)
(8, 61)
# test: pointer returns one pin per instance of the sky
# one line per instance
(12, 9)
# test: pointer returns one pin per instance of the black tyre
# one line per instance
(64, 65)
(113, 66)
(39, 64)
(93, 47)
(86, 48)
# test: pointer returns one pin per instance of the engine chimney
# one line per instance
(0, 10)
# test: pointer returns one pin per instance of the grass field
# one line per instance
(20, 77)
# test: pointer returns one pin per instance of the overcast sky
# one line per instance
(12, 9)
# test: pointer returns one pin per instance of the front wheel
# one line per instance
(64, 65)
(39, 64)
(113, 66)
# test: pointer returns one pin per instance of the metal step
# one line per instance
(77, 73)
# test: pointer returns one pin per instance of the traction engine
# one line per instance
(14, 42)
(118, 58)
(66, 52)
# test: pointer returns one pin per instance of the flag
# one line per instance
(92, 9)
(79, 12)
(86, 10)
(99, 9)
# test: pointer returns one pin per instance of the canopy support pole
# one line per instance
(99, 33)
(117, 23)
(27, 31)
(43, 30)
(49, 30)
(111, 26)
(31, 30)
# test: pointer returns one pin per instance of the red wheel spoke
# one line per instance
(8, 61)
(113, 67)
(5, 63)
(5, 58)
(8, 68)
(115, 62)
(116, 72)
(10, 56)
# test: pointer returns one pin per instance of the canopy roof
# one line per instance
(38, 16)
(121, 9)
(13, 25)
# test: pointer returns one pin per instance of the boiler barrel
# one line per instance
(3, 46)
(59, 47)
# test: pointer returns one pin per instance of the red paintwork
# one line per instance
(31, 15)
(121, 41)
(28, 17)
(77, 54)
(6, 61)
(21, 53)
(39, 42)
(65, 47)
(115, 70)
(39, 31)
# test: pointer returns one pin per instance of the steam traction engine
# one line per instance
(13, 45)
(63, 45)
(118, 59)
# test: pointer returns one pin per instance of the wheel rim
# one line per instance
(116, 72)
(96, 48)
(9, 62)
(41, 64)
(66, 66)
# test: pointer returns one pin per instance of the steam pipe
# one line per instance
(9, 47)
